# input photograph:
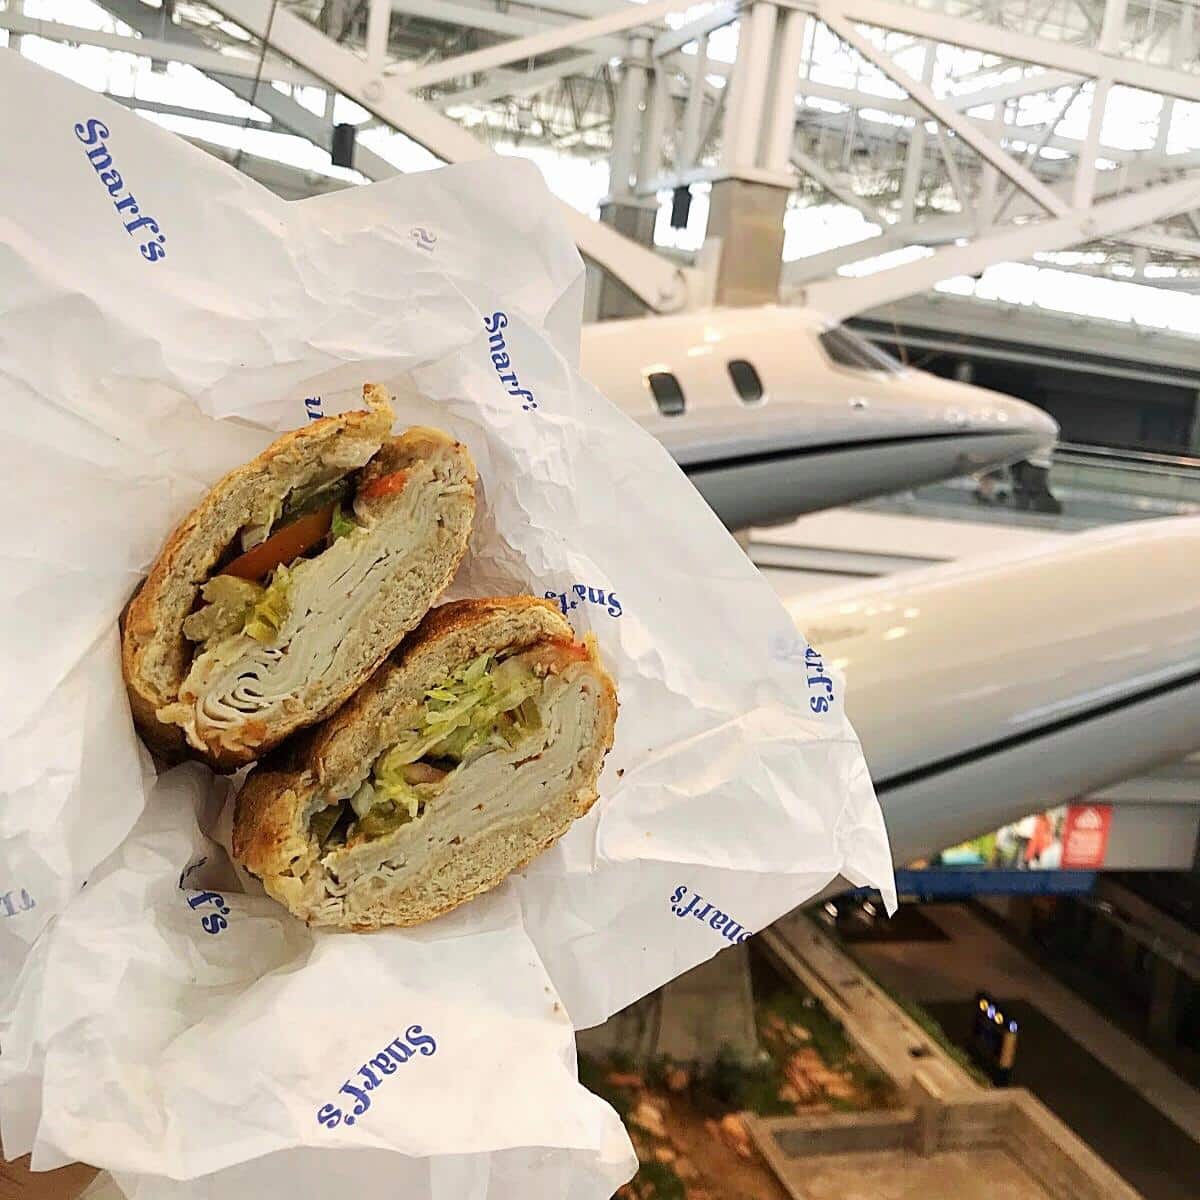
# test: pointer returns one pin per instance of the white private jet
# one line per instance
(1005, 684)
(774, 411)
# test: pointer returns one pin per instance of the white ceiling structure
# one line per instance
(956, 134)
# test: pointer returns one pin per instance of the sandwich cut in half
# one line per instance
(284, 589)
(466, 756)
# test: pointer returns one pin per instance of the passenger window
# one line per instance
(745, 379)
(668, 395)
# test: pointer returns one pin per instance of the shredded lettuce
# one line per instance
(269, 614)
(478, 705)
(481, 705)
(342, 525)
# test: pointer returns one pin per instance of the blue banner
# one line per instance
(939, 883)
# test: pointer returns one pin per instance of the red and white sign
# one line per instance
(1085, 835)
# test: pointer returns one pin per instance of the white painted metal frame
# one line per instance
(841, 297)
(567, 36)
(939, 26)
(659, 283)
(750, 126)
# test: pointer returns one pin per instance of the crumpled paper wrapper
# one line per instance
(166, 1022)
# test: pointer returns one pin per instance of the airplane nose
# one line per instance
(1006, 414)
(1027, 417)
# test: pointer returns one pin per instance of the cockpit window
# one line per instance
(745, 379)
(668, 395)
(849, 349)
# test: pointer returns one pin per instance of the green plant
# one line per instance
(594, 1075)
(730, 1084)
(657, 1181)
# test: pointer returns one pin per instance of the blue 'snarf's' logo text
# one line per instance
(584, 594)
(137, 223)
(213, 920)
(501, 361)
(695, 905)
(10, 907)
(374, 1073)
(818, 681)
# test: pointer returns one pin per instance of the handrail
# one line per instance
(1128, 459)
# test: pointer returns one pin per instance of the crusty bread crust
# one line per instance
(156, 656)
(270, 836)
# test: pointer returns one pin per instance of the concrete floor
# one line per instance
(902, 1175)
(981, 958)
(1131, 1108)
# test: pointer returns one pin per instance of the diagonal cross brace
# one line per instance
(660, 284)
(946, 116)
(289, 113)
(840, 297)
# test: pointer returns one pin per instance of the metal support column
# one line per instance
(659, 110)
(379, 17)
(743, 115)
(915, 160)
(747, 217)
(622, 210)
(1084, 190)
(781, 118)
(746, 210)
(631, 95)
(16, 8)
(989, 177)
(693, 113)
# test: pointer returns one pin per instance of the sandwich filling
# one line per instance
(487, 744)
(293, 607)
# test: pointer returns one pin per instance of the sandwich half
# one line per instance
(465, 757)
(285, 588)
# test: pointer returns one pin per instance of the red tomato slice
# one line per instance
(571, 651)
(282, 546)
(556, 653)
(385, 485)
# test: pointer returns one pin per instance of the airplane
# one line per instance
(774, 411)
(1009, 683)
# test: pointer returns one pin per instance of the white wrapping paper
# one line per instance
(186, 1029)
(131, 377)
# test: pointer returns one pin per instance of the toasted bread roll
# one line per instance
(466, 756)
(293, 579)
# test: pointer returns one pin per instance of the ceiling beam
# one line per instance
(203, 57)
(661, 285)
(1165, 243)
(836, 187)
(502, 84)
(291, 183)
(962, 126)
(1013, 89)
(843, 296)
(195, 114)
(675, 39)
(577, 33)
(493, 20)
(287, 113)
(991, 39)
